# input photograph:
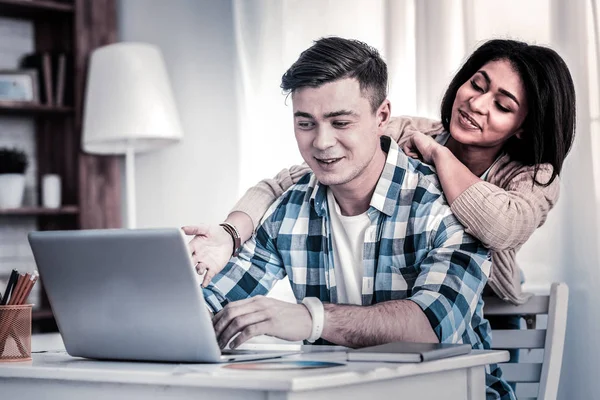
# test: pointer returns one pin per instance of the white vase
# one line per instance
(12, 187)
(51, 191)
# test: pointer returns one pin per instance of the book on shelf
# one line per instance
(60, 74)
(63, 78)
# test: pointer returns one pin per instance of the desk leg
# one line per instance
(476, 383)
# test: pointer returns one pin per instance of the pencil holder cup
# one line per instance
(15, 333)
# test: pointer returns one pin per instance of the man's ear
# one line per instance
(384, 114)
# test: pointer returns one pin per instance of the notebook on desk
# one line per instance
(129, 295)
(407, 352)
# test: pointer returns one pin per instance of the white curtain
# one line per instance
(421, 41)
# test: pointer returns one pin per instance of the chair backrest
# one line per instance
(537, 379)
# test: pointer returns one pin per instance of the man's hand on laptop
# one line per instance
(210, 249)
(261, 316)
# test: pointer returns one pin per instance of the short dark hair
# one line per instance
(333, 58)
(549, 127)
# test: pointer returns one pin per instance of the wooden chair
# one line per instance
(537, 379)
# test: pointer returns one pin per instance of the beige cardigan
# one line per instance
(502, 212)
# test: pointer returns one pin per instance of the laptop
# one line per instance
(129, 294)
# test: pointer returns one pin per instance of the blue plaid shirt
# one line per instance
(414, 249)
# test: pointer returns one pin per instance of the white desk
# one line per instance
(56, 375)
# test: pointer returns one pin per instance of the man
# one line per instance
(370, 246)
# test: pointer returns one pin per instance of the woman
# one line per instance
(507, 124)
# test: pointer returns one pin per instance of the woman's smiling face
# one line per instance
(490, 107)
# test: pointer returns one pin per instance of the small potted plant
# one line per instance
(13, 163)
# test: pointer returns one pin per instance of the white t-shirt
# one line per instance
(348, 241)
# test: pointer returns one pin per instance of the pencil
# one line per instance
(18, 289)
(15, 289)
(28, 286)
(9, 286)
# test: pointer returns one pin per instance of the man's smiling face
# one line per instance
(336, 130)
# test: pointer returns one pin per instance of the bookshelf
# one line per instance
(34, 8)
(90, 184)
(33, 109)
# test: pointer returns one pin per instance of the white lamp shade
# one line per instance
(128, 102)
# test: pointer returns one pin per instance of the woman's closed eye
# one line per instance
(501, 108)
(476, 86)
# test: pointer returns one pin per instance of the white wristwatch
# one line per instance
(317, 312)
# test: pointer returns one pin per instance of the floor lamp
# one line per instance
(129, 107)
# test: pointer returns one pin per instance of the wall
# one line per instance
(195, 180)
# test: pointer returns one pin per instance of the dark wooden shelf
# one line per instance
(40, 211)
(25, 108)
(33, 8)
